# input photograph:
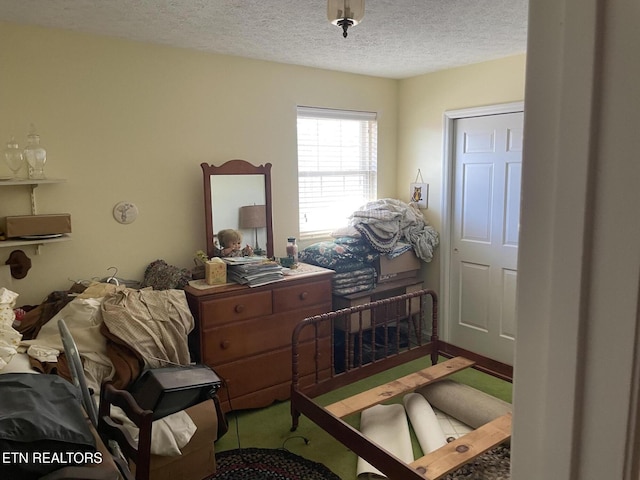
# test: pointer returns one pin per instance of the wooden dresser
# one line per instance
(244, 333)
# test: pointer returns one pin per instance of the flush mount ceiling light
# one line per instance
(345, 13)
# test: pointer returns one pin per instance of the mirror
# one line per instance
(231, 191)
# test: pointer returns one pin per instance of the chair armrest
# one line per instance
(109, 429)
(110, 395)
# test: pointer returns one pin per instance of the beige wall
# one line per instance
(125, 121)
(422, 102)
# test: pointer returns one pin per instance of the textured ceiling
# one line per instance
(396, 38)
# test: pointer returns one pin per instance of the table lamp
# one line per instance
(254, 216)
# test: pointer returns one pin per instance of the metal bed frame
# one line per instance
(371, 338)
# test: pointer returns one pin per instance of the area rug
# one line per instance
(495, 464)
(268, 464)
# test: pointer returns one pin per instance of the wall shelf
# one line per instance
(18, 242)
(30, 181)
(33, 183)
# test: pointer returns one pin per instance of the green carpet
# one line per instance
(270, 427)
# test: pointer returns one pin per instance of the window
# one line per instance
(337, 167)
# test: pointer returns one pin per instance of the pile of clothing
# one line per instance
(386, 222)
(119, 332)
(382, 227)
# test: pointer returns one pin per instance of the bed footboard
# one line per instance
(365, 340)
(371, 338)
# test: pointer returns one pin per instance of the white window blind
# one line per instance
(337, 166)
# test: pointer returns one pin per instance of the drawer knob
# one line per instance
(225, 344)
(304, 295)
(239, 308)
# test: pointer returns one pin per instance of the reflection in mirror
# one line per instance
(229, 195)
(238, 196)
(254, 217)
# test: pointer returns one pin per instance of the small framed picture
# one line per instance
(419, 194)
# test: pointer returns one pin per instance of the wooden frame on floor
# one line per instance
(419, 338)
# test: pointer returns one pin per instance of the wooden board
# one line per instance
(453, 455)
(406, 384)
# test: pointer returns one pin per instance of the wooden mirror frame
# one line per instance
(236, 167)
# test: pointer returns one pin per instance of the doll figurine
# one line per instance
(230, 241)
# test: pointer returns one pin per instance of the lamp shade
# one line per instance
(253, 216)
(351, 11)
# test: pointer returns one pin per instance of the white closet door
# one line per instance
(486, 215)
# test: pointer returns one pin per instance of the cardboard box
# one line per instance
(26, 225)
(403, 266)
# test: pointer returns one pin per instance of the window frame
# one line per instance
(366, 176)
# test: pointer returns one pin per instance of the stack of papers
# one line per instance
(253, 271)
(244, 260)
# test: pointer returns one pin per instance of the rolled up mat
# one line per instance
(387, 426)
(464, 403)
(424, 422)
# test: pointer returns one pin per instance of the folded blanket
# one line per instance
(357, 277)
(354, 289)
(399, 249)
(342, 254)
(385, 222)
(355, 281)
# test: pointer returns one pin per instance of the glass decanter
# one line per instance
(35, 155)
(13, 157)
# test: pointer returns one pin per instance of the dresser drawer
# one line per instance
(232, 309)
(299, 296)
(251, 337)
(262, 371)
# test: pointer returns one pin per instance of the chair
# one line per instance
(198, 457)
(77, 372)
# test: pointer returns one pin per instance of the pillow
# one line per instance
(42, 415)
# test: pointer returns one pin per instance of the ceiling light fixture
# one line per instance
(345, 13)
